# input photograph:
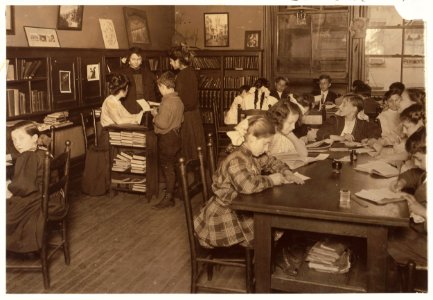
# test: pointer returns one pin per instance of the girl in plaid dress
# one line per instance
(217, 225)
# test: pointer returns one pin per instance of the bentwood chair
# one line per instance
(202, 259)
(55, 182)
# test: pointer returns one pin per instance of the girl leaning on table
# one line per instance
(411, 243)
(96, 175)
(217, 225)
(24, 218)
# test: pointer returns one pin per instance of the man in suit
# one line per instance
(325, 94)
(281, 88)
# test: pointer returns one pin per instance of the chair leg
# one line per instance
(209, 268)
(249, 253)
(194, 269)
(65, 242)
(44, 264)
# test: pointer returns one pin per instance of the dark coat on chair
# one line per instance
(284, 95)
(363, 129)
(150, 89)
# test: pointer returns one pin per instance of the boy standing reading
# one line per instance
(167, 121)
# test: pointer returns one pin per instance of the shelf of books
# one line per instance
(27, 87)
(133, 160)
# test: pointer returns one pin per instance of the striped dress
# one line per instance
(217, 225)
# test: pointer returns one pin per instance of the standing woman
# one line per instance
(192, 131)
(142, 82)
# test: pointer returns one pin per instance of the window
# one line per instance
(394, 49)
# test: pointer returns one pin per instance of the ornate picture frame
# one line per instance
(136, 26)
(70, 17)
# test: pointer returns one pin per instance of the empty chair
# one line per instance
(88, 124)
(56, 180)
(202, 259)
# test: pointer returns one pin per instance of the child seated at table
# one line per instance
(24, 218)
(217, 225)
(324, 95)
(257, 98)
(243, 91)
(346, 126)
(411, 243)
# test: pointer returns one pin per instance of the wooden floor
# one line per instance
(118, 245)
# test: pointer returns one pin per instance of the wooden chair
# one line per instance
(52, 222)
(88, 124)
(371, 108)
(221, 138)
(202, 257)
(243, 113)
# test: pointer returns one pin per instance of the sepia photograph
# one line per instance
(217, 148)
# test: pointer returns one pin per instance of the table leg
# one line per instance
(262, 252)
(377, 240)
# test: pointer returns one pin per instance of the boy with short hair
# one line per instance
(325, 94)
(167, 121)
(281, 88)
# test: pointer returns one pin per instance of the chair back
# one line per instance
(243, 113)
(56, 178)
(88, 124)
(211, 153)
(371, 108)
(193, 181)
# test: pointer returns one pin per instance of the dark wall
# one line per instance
(160, 21)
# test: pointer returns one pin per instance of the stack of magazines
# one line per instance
(57, 119)
(329, 257)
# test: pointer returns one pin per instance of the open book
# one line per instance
(319, 145)
(295, 161)
(380, 196)
(379, 168)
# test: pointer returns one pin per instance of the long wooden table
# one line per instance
(314, 207)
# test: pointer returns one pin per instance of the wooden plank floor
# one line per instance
(119, 245)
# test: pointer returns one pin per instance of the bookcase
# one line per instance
(221, 73)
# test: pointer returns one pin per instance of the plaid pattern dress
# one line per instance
(217, 225)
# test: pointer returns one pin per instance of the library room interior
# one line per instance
(215, 149)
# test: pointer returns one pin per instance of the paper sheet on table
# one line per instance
(303, 177)
(295, 161)
(344, 159)
(365, 150)
(380, 196)
(378, 167)
(144, 104)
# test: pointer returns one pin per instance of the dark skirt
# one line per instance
(24, 224)
(192, 133)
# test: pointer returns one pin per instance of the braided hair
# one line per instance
(261, 82)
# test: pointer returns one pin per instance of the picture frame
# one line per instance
(41, 37)
(92, 72)
(70, 17)
(109, 34)
(253, 39)
(10, 20)
(65, 82)
(216, 29)
(136, 26)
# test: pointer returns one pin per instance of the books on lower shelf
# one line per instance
(127, 138)
(329, 257)
(134, 184)
(129, 161)
(380, 196)
(380, 168)
(237, 82)
(206, 63)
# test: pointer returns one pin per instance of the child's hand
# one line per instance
(414, 206)
(293, 178)
(8, 193)
(377, 147)
(277, 178)
(397, 185)
(348, 137)
(154, 111)
(312, 135)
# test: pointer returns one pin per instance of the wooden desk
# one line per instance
(314, 207)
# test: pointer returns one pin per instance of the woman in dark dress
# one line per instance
(24, 220)
(142, 82)
(192, 131)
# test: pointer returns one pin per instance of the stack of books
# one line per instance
(58, 119)
(139, 187)
(138, 139)
(138, 163)
(126, 138)
(115, 138)
(122, 162)
(135, 184)
(329, 257)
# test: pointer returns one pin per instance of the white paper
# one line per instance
(378, 167)
(380, 196)
(303, 177)
(144, 104)
(151, 103)
(344, 159)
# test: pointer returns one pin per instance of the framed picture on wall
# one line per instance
(10, 22)
(252, 40)
(65, 82)
(41, 37)
(92, 72)
(136, 27)
(216, 29)
(70, 17)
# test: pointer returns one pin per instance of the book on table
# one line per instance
(318, 145)
(295, 161)
(380, 168)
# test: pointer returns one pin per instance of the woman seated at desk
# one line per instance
(258, 98)
(346, 126)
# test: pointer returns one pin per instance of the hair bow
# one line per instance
(237, 136)
(293, 100)
(252, 90)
